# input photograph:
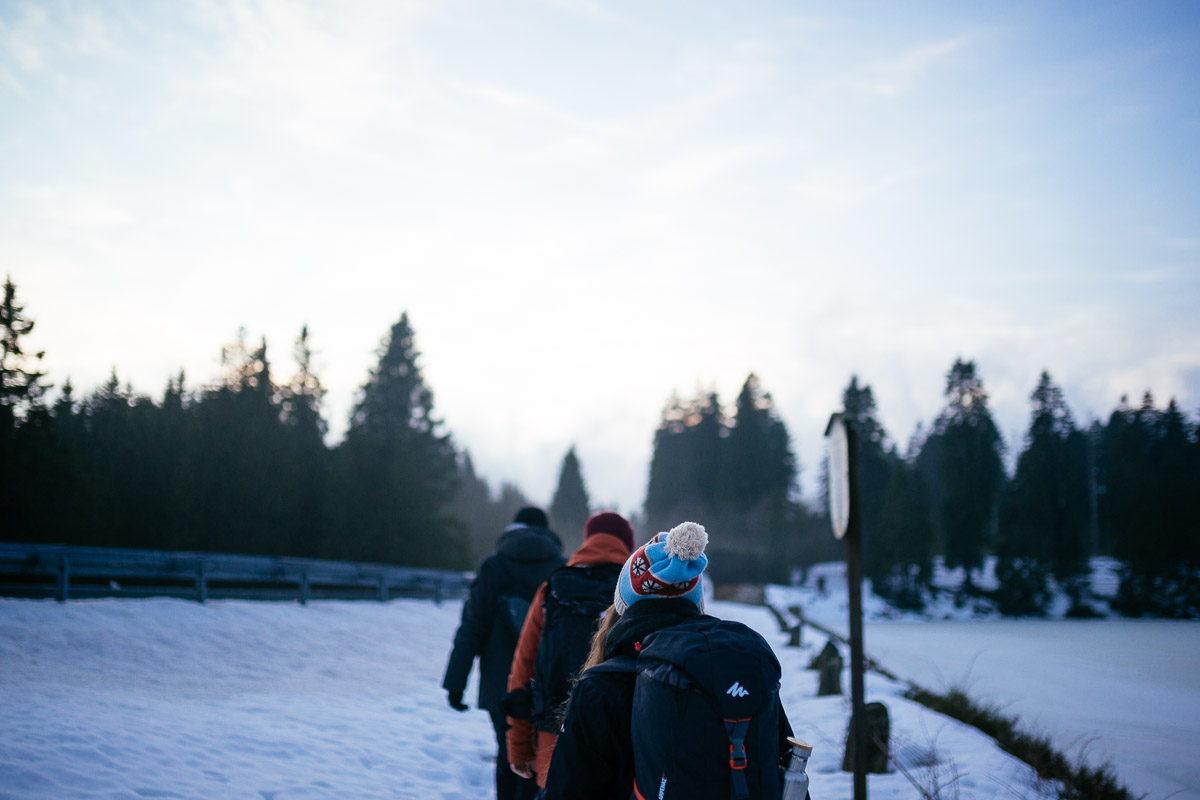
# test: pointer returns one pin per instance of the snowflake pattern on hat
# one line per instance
(669, 565)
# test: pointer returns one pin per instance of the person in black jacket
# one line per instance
(526, 553)
(593, 758)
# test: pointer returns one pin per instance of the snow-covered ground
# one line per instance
(160, 698)
(1121, 691)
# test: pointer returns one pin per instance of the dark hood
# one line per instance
(644, 618)
(529, 544)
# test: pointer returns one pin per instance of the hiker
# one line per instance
(555, 640)
(496, 605)
(672, 703)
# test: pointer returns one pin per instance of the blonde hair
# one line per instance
(597, 652)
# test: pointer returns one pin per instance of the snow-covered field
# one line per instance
(1121, 691)
(164, 698)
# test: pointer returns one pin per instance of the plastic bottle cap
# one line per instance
(800, 744)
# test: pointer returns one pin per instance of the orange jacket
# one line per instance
(525, 742)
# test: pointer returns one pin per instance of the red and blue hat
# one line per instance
(669, 565)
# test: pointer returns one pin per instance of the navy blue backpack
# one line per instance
(706, 718)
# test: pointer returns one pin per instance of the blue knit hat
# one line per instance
(669, 565)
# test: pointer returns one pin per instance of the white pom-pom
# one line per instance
(687, 541)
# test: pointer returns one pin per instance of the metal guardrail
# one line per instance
(65, 572)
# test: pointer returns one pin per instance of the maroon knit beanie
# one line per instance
(612, 523)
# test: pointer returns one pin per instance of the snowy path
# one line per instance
(131, 699)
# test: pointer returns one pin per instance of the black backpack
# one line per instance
(575, 600)
(706, 714)
(512, 610)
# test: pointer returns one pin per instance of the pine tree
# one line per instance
(307, 464)
(736, 475)
(1044, 516)
(569, 508)
(669, 485)
(396, 472)
(1147, 474)
(760, 476)
(760, 462)
(970, 469)
(688, 472)
(876, 462)
(21, 387)
(27, 441)
(238, 490)
(905, 534)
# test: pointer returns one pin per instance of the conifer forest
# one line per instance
(242, 464)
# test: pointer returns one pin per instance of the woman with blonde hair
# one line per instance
(659, 594)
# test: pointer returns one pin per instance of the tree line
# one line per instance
(242, 464)
(1118, 488)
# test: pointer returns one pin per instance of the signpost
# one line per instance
(844, 513)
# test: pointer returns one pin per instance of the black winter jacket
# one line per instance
(593, 759)
(523, 559)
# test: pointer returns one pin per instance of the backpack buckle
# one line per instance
(737, 754)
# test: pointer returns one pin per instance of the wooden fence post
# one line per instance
(304, 589)
(201, 584)
(64, 578)
(383, 589)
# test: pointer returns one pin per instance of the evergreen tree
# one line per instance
(1146, 508)
(27, 440)
(669, 484)
(308, 462)
(569, 508)
(688, 468)
(239, 495)
(760, 463)
(21, 387)
(737, 475)
(1127, 497)
(396, 472)
(905, 534)
(1044, 516)
(876, 461)
(970, 469)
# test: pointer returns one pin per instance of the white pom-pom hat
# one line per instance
(669, 565)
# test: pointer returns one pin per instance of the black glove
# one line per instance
(517, 704)
(455, 701)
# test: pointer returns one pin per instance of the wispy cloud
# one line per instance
(696, 166)
(74, 209)
(319, 70)
(840, 187)
(894, 75)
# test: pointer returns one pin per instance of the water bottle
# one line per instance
(795, 779)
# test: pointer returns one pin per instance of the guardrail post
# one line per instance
(201, 584)
(304, 588)
(64, 578)
(383, 589)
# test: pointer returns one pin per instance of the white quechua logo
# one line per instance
(737, 690)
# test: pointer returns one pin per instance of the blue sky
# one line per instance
(585, 206)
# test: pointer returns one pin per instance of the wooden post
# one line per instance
(304, 588)
(201, 584)
(439, 591)
(854, 575)
(64, 578)
(383, 589)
